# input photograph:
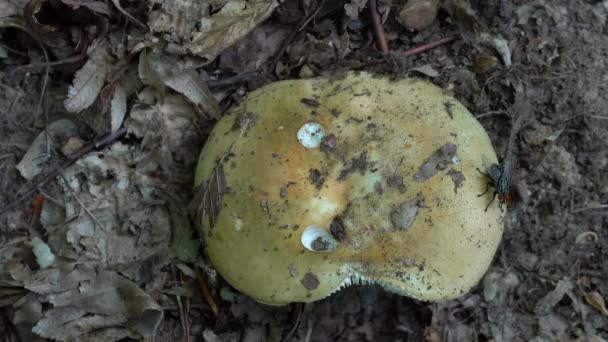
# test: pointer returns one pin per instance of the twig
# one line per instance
(590, 207)
(243, 77)
(202, 285)
(597, 116)
(182, 313)
(192, 306)
(84, 207)
(296, 324)
(129, 16)
(378, 28)
(69, 60)
(108, 140)
(429, 46)
(493, 112)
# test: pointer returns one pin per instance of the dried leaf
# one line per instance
(90, 78)
(37, 154)
(148, 75)
(595, 299)
(187, 270)
(109, 222)
(586, 238)
(129, 16)
(118, 107)
(183, 246)
(43, 253)
(99, 7)
(106, 301)
(353, 8)
(427, 70)
(184, 80)
(207, 201)
(11, 7)
(235, 20)
(551, 299)
(251, 52)
(169, 132)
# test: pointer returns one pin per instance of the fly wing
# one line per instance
(494, 172)
(508, 169)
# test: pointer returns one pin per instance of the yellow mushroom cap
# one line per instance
(352, 179)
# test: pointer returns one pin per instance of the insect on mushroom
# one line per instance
(500, 177)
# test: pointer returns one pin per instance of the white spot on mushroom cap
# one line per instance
(317, 239)
(311, 134)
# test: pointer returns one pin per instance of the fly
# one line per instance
(499, 177)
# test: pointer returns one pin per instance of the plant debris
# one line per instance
(113, 218)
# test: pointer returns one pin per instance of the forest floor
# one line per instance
(532, 72)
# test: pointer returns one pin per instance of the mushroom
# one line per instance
(312, 185)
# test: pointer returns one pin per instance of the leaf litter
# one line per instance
(117, 216)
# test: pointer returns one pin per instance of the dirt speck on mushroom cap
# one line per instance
(386, 130)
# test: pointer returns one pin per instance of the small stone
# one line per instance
(417, 15)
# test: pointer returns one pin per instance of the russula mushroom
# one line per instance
(311, 185)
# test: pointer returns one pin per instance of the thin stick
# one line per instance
(129, 16)
(86, 209)
(378, 28)
(202, 285)
(597, 116)
(69, 60)
(108, 140)
(296, 324)
(591, 207)
(182, 313)
(493, 112)
(243, 77)
(429, 46)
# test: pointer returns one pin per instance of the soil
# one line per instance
(547, 111)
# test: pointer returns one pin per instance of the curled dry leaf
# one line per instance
(586, 238)
(90, 78)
